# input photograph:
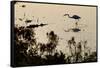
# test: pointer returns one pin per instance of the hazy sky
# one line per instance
(53, 16)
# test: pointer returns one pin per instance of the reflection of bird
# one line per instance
(76, 17)
(36, 25)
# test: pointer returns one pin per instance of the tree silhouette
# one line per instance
(27, 49)
(52, 41)
(24, 38)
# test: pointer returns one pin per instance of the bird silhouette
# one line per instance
(23, 6)
(28, 21)
(76, 17)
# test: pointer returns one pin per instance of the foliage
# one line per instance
(27, 49)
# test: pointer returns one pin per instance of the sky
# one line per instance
(52, 14)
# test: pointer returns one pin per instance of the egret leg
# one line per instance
(76, 24)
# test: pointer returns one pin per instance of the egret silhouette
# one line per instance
(76, 17)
